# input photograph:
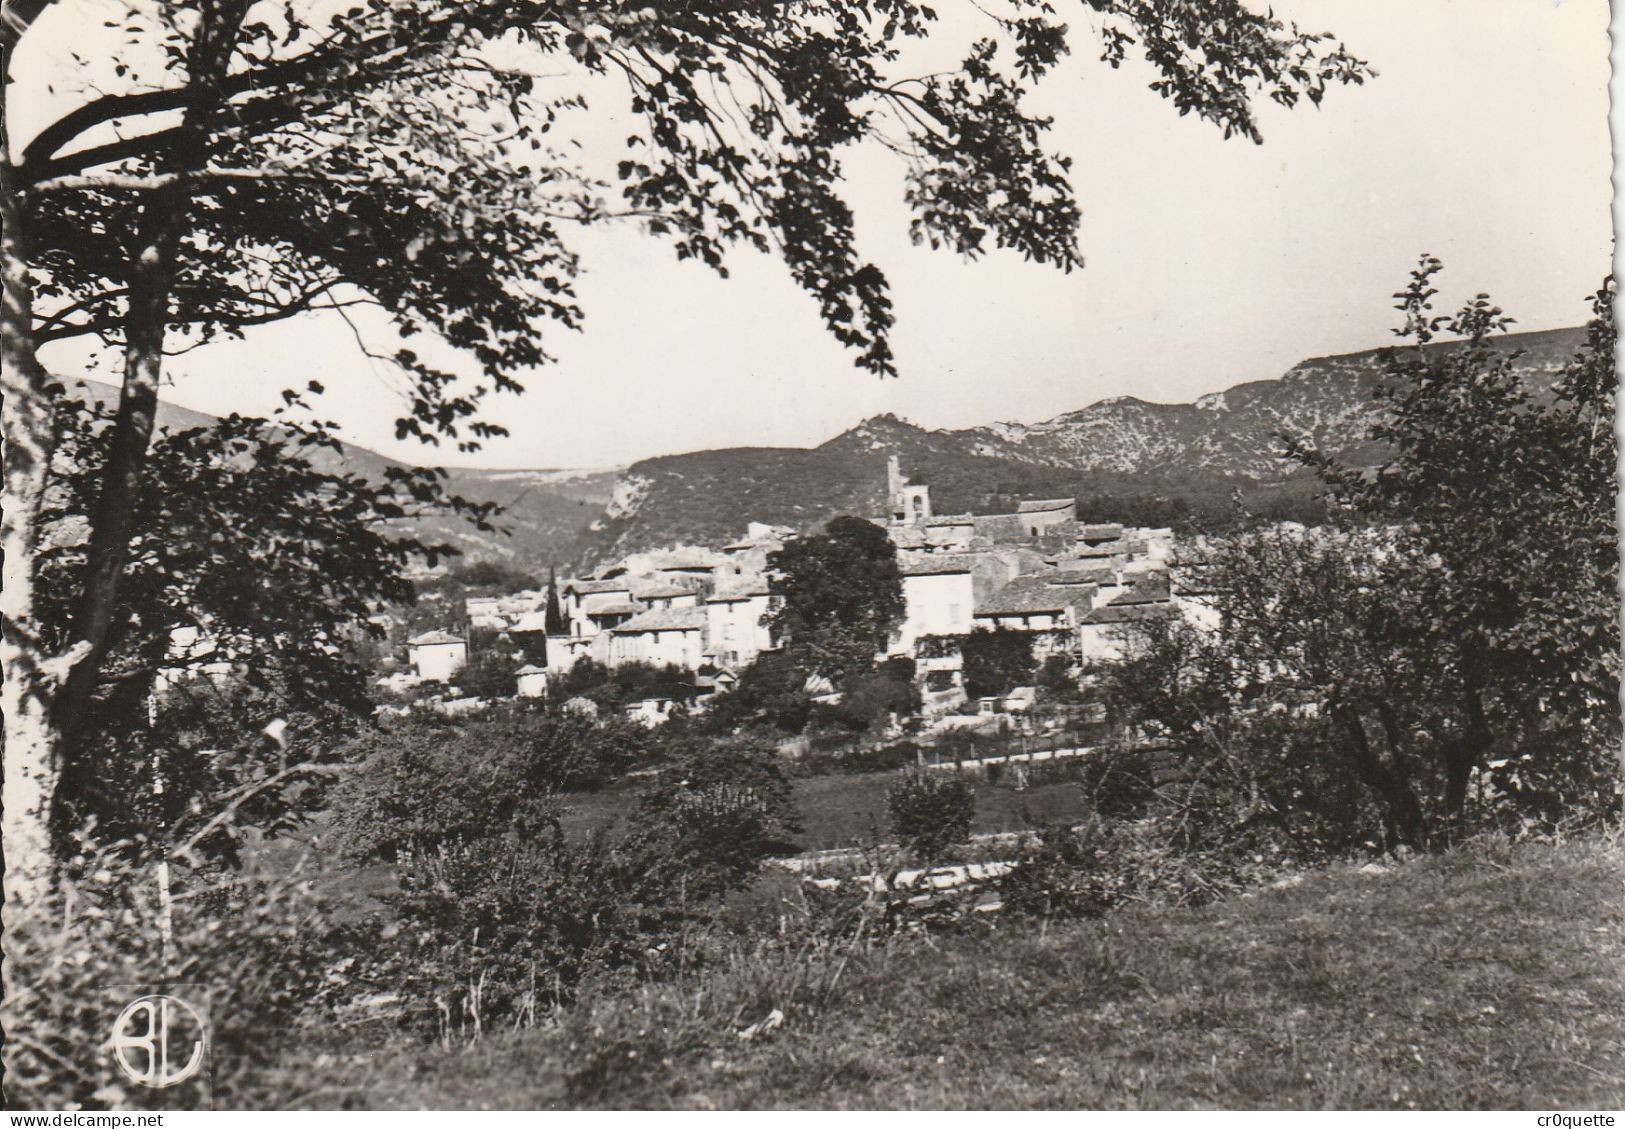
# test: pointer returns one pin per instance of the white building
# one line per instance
(734, 632)
(530, 682)
(939, 598)
(564, 651)
(593, 606)
(661, 636)
(437, 655)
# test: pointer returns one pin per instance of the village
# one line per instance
(1069, 586)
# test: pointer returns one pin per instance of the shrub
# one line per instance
(420, 782)
(1085, 871)
(931, 811)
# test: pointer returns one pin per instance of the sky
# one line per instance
(1483, 140)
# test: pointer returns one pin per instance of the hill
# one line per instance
(1123, 459)
(547, 514)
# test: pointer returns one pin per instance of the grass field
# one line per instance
(1487, 977)
(845, 810)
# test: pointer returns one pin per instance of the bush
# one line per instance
(497, 927)
(420, 782)
(931, 811)
(1085, 871)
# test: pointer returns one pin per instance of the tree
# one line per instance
(275, 158)
(251, 559)
(1314, 652)
(1499, 503)
(997, 661)
(419, 783)
(839, 596)
(772, 692)
(1465, 615)
(554, 620)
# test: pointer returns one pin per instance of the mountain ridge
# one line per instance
(1123, 457)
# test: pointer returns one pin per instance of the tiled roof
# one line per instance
(1120, 613)
(662, 589)
(742, 589)
(530, 621)
(940, 564)
(1108, 532)
(623, 608)
(431, 638)
(664, 619)
(1110, 549)
(1026, 595)
(1043, 505)
(1076, 578)
(589, 587)
(1152, 588)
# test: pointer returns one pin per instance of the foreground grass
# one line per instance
(1487, 977)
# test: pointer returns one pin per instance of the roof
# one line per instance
(1129, 613)
(1076, 577)
(742, 589)
(1108, 532)
(936, 565)
(664, 619)
(433, 638)
(588, 587)
(530, 668)
(660, 590)
(1042, 505)
(1099, 550)
(1026, 595)
(1152, 588)
(623, 608)
(530, 621)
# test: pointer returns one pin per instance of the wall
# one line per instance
(734, 631)
(438, 661)
(937, 604)
(678, 648)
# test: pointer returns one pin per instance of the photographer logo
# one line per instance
(159, 1041)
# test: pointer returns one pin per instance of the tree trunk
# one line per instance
(1396, 792)
(1462, 756)
(32, 747)
(113, 522)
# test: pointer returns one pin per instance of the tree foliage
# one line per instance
(839, 596)
(1462, 626)
(997, 661)
(422, 782)
(931, 811)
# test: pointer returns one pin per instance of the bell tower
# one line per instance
(909, 502)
